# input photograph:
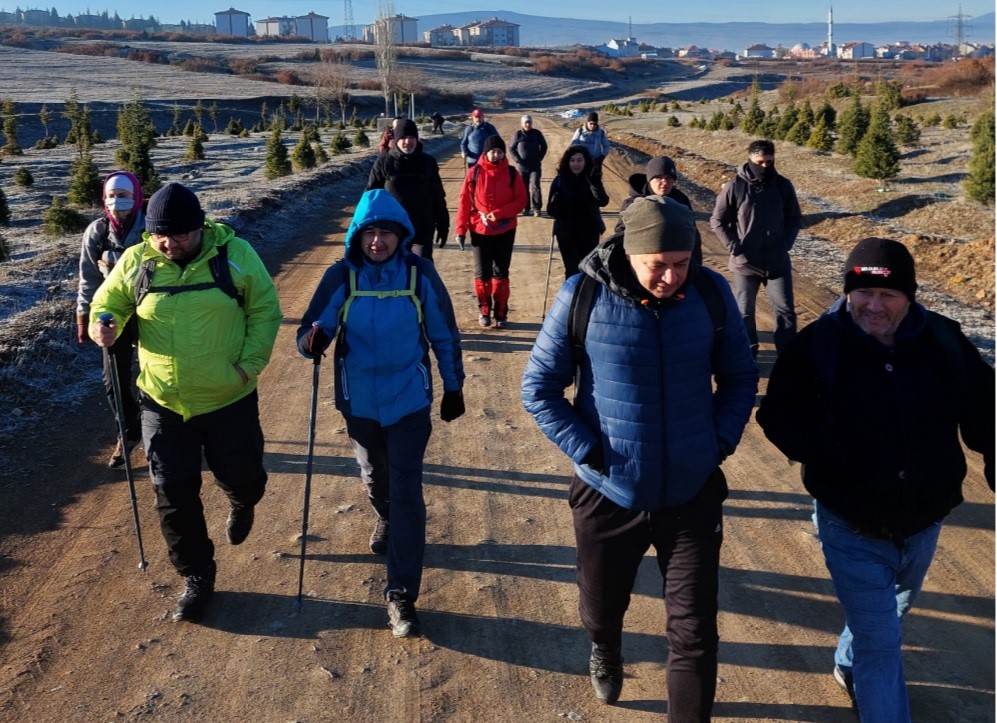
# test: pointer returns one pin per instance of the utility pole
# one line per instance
(349, 27)
(961, 30)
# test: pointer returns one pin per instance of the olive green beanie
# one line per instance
(656, 224)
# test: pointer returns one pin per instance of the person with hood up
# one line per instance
(386, 308)
(591, 135)
(413, 177)
(659, 179)
(104, 241)
(757, 218)
(662, 397)
(490, 199)
(202, 344)
(475, 134)
(573, 201)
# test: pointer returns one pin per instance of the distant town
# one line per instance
(490, 33)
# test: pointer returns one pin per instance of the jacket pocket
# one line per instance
(425, 376)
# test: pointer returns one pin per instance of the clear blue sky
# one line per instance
(708, 11)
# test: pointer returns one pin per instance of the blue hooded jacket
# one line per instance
(383, 371)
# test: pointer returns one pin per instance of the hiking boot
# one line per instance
(197, 592)
(843, 677)
(606, 673)
(379, 537)
(484, 320)
(501, 324)
(240, 522)
(402, 620)
(117, 458)
(538, 213)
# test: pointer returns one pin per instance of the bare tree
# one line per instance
(332, 84)
(385, 52)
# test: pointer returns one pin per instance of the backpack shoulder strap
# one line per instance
(512, 176)
(714, 301)
(221, 272)
(221, 275)
(579, 312)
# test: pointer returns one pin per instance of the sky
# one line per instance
(711, 11)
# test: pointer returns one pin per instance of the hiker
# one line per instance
(490, 199)
(593, 137)
(659, 179)
(207, 317)
(388, 136)
(872, 399)
(527, 150)
(473, 141)
(383, 380)
(573, 201)
(104, 241)
(413, 177)
(757, 218)
(649, 333)
(437, 119)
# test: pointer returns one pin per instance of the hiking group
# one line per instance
(872, 398)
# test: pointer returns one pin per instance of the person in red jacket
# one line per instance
(491, 198)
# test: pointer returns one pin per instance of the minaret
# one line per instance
(830, 31)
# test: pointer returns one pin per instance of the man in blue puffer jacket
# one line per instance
(647, 433)
(398, 308)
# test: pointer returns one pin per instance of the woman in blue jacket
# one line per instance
(386, 308)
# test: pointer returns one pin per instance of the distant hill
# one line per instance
(537, 31)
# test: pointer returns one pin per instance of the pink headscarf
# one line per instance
(117, 225)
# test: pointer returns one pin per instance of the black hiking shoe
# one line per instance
(240, 522)
(606, 673)
(197, 592)
(379, 537)
(402, 620)
(117, 458)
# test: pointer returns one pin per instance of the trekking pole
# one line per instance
(119, 413)
(550, 258)
(308, 478)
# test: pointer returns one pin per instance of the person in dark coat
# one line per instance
(757, 218)
(573, 201)
(661, 399)
(659, 179)
(472, 143)
(872, 399)
(413, 177)
(527, 150)
(437, 119)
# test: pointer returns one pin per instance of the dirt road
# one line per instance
(86, 636)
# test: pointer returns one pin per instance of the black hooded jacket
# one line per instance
(414, 180)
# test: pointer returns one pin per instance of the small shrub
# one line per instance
(4, 249)
(906, 131)
(360, 140)
(61, 220)
(673, 122)
(303, 155)
(4, 209)
(339, 144)
(950, 122)
(320, 155)
(23, 178)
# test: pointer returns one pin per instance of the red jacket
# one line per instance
(493, 191)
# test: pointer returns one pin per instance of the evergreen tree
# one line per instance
(198, 113)
(320, 155)
(800, 132)
(4, 209)
(234, 127)
(138, 137)
(754, 119)
(820, 137)
(673, 121)
(23, 178)
(190, 128)
(360, 140)
(303, 155)
(276, 164)
(195, 149)
(807, 113)
(828, 113)
(310, 133)
(175, 128)
(787, 121)
(44, 117)
(4, 249)
(213, 114)
(877, 155)
(906, 131)
(770, 127)
(85, 188)
(979, 184)
(852, 127)
(61, 220)
(339, 144)
(888, 93)
(10, 129)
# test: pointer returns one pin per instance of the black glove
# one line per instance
(314, 343)
(441, 238)
(725, 450)
(452, 405)
(595, 459)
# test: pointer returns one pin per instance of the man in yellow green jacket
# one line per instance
(208, 316)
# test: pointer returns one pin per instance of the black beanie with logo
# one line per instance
(880, 263)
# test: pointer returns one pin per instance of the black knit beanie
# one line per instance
(661, 166)
(593, 116)
(493, 142)
(656, 224)
(173, 209)
(406, 127)
(880, 263)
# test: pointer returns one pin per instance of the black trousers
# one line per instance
(123, 352)
(611, 542)
(492, 254)
(232, 442)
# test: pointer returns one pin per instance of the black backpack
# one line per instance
(221, 275)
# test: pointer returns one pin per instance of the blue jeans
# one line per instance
(390, 459)
(876, 583)
(780, 295)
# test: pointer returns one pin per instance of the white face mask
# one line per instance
(124, 205)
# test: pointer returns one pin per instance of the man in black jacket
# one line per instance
(871, 398)
(527, 149)
(413, 177)
(757, 217)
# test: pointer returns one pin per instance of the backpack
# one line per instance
(221, 275)
(584, 298)
(477, 169)
(411, 291)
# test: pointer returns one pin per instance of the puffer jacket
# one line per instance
(190, 342)
(414, 179)
(383, 370)
(878, 430)
(644, 390)
(473, 140)
(757, 223)
(488, 187)
(638, 188)
(97, 258)
(527, 149)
